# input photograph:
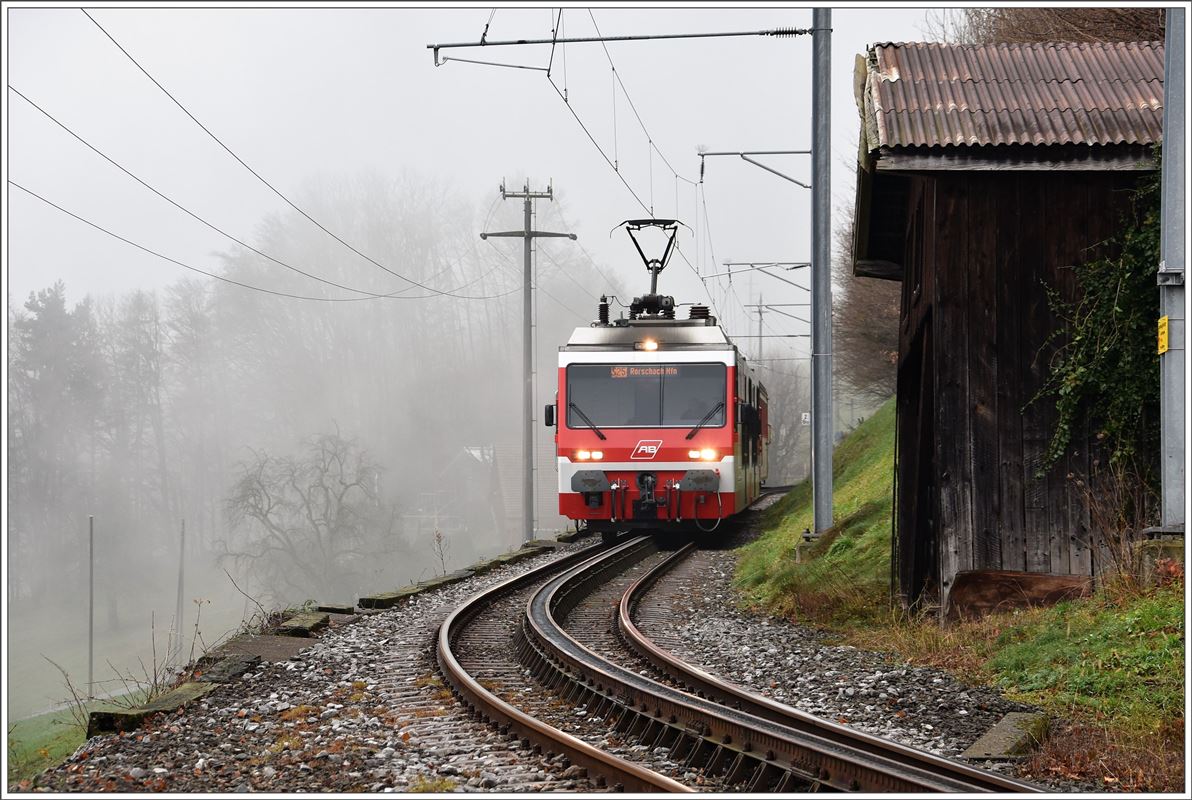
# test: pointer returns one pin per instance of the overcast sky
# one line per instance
(306, 92)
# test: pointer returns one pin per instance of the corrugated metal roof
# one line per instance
(926, 94)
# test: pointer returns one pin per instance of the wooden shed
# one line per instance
(985, 172)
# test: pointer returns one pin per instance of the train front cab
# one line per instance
(658, 440)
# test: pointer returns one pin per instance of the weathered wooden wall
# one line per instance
(981, 248)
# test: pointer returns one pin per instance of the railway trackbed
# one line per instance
(554, 657)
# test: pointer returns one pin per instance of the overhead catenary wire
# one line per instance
(613, 161)
(632, 106)
(370, 295)
(596, 144)
(256, 174)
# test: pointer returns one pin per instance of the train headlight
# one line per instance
(708, 454)
(583, 455)
(693, 454)
(597, 455)
(647, 344)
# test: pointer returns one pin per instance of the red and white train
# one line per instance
(660, 422)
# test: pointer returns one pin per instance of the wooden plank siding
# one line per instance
(988, 247)
(985, 234)
(1037, 418)
(950, 362)
(1008, 359)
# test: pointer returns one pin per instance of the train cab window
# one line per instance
(692, 393)
(645, 395)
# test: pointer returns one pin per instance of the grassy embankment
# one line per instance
(40, 742)
(1110, 666)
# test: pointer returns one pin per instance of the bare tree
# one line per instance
(865, 321)
(314, 523)
(788, 385)
(1068, 24)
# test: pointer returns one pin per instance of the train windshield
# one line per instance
(645, 395)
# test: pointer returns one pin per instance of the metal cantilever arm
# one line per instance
(776, 172)
(523, 234)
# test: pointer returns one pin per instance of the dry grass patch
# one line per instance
(424, 783)
(1114, 759)
(287, 741)
(298, 713)
(429, 680)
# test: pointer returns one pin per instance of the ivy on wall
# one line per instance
(1105, 370)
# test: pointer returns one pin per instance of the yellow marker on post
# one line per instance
(1162, 335)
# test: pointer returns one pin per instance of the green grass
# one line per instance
(847, 574)
(40, 742)
(1121, 659)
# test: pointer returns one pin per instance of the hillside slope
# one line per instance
(848, 573)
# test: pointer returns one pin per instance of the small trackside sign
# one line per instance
(646, 449)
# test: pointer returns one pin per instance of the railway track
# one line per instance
(651, 722)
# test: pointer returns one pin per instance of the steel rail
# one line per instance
(705, 684)
(613, 771)
(759, 752)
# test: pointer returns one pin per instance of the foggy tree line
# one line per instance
(294, 437)
(152, 407)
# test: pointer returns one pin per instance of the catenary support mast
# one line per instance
(1171, 276)
(821, 270)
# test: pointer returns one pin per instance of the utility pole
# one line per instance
(821, 272)
(528, 235)
(178, 605)
(91, 608)
(1171, 278)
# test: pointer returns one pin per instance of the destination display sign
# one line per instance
(647, 371)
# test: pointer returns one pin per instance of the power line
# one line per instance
(369, 295)
(179, 263)
(544, 291)
(566, 273)
(257, 175)
(595, 266)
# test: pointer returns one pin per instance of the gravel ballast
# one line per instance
(361, 710)
(697, 617)
(364, 710)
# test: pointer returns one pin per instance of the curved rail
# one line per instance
(604, 767)
(705, 684)
(756, 751)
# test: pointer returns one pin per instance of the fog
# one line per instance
(314, 438)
